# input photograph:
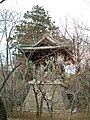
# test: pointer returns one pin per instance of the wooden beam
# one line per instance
(39, 48)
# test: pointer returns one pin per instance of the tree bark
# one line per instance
(3, 114)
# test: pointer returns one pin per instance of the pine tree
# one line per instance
(34, 25)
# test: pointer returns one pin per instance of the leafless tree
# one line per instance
(79, 36)
(47, 79)
(4, 79)
(8, 21)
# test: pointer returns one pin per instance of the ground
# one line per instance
(57, 116)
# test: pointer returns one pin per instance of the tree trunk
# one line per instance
(37, 102)
(51, 115)
(3, 115)
(41, 105)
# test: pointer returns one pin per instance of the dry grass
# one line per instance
(45, 116)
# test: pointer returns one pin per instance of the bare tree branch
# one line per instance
(2, 1)
(9, 76)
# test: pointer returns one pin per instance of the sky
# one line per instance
(58, 9)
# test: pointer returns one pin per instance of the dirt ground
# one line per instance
(45, 116)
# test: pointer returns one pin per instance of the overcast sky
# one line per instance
(58, 9)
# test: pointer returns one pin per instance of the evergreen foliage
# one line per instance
(34, 25)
